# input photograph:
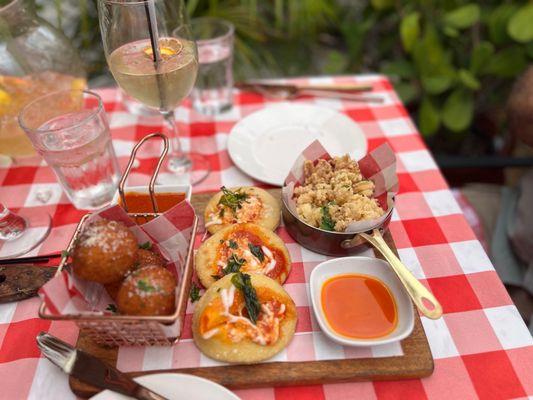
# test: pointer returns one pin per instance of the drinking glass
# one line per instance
(35, 59)
(22, 232)
(135, 107)
(69, 129)
(212, 93)
(153, 66)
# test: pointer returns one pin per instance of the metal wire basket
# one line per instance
(130, 330)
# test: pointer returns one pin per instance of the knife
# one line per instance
(338, 87)
(90, 369)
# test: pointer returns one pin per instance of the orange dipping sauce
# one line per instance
(141, 202)
(358, 306)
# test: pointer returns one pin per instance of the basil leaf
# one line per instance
(326, 222)
(231, 199)
(232, 244)
(195, 293)
(257, 251)
(145, 246)
(111, 308)
(234, 265)
(244, 284)
(145, 286)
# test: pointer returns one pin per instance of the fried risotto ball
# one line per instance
(105, 252)
(147, 291)
(148, 257)
(144, 259)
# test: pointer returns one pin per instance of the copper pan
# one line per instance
(344, 244)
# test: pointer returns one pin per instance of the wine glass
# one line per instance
(154, 66)
(22, 232)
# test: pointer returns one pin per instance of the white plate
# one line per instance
(266, 143)
(365, 266)
(176, 387)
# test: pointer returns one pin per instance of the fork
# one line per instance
(90, 369)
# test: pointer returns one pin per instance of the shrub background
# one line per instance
(451, 61)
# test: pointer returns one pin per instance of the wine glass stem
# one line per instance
(11, 225)
(175, 145)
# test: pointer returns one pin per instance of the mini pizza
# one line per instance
(243, 204)
(248, 248)
(244, 319)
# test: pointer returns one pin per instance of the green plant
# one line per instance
(449, 59)
(272, 37)
(452, 58)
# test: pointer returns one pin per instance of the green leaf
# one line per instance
(191, 6)
(145, 246)
(433, 62)
(428, 117)
(194, 293)
(520, 26)
(481, 54)
(232, 200)
(462, 17)
(111, 308)
(144, 286)
(458, 110)
(399, 68)
(427, 52)
(336, 62)
(243, 282)
(232, 244)
(382, 4)
(410, 30)
(257, 251)
(326, 222)
(468, 79)
(451, 32)
(234, 265)
(407, 91)
(436, 84)
(529, 50)
(507, 63)
(497, 22)
(355, 34)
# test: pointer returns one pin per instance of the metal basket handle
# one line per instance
(154, 175)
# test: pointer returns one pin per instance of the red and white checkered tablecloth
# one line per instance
(482, 349)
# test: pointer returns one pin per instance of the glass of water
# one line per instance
(70, 130)
(212, 92)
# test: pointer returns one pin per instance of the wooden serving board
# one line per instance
(416, 362)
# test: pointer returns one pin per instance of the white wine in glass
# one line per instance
(153, 65)
(164, 87)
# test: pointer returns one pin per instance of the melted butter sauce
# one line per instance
(358, 306)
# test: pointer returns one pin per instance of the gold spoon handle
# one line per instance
(423, 298)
